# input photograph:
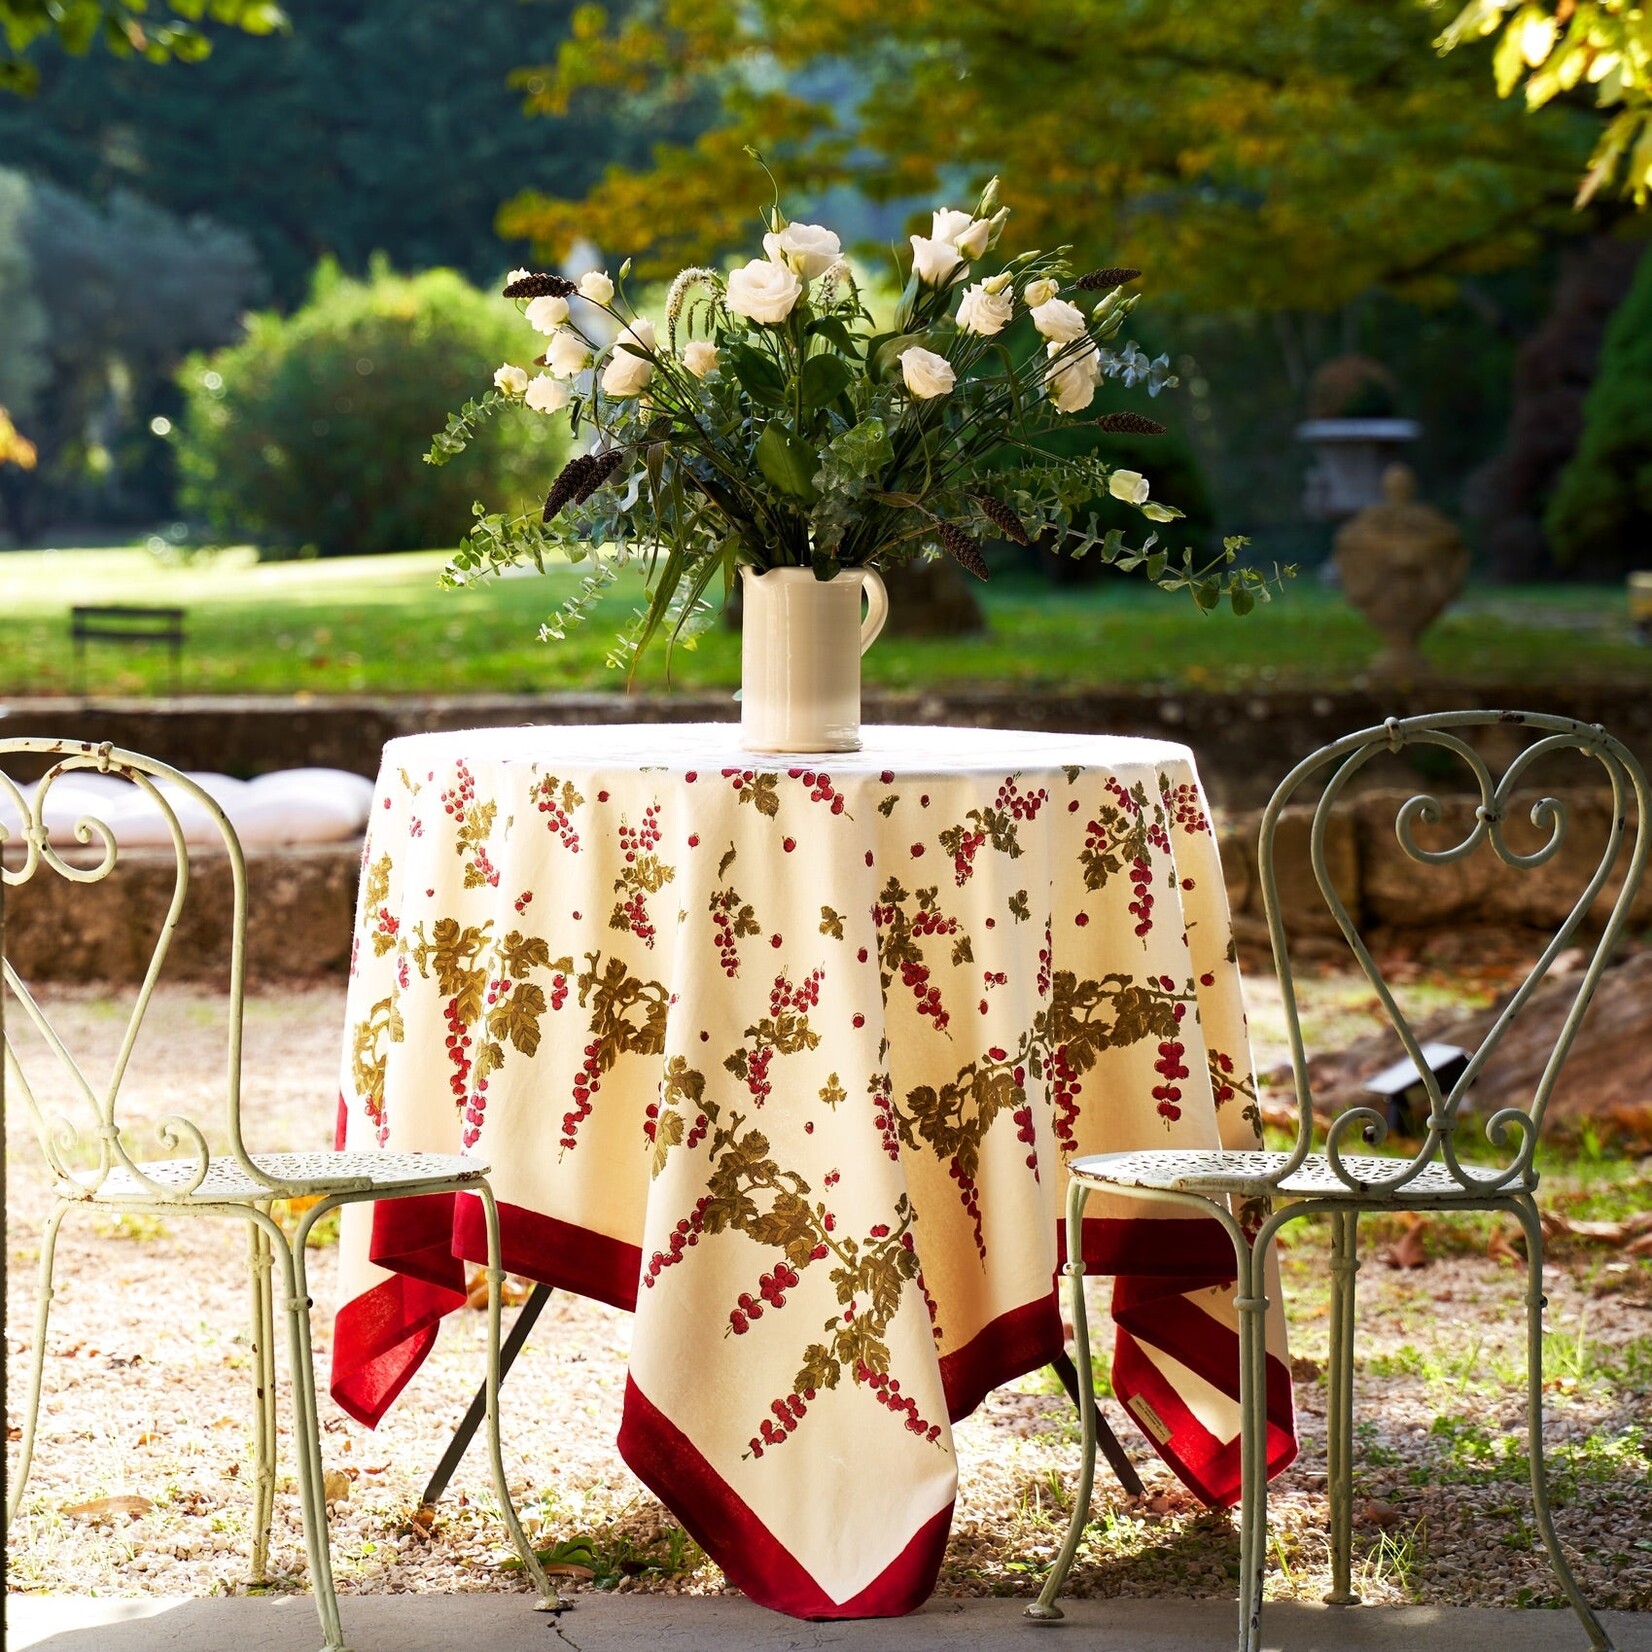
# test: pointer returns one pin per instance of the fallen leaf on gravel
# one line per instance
(424, 1517)
(1373, 1513)
(1408, 1251)
(103, 1510)
(1605, 1233)
(335, 1487)
(379, 1470)
(566, 1568)
(1304, 1369)
(1502, 1248)
(512, 1293)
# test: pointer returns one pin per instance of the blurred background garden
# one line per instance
(242, 288)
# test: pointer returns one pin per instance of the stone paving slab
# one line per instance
(504, 1623)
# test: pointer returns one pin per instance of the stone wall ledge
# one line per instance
(1244, 741)
(301, 901)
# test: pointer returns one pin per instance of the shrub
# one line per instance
(1599, 518)
(310, 432)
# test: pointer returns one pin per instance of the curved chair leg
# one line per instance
(307, 1438)
(264, 1425)
(42, 1313)
(1339, 1404)
(1526, 1210)
(549, 1600)
(1045, 1610)
(1252, 1304)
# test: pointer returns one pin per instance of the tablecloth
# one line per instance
(787, 1055)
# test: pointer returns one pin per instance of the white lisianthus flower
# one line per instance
(517, 275)
(765, 291)
(1056, 318)
(935, 262)
(926, 374)
(547, 313)
(596, 286)
(996, 284)
(985, 312)
(807, 250)
(627, 374)
(1039, 292)
(1071, 381)
(511, 380)
(969, 235)
(545, 394)
(1130, 486)
(568, 354)
(700, 358)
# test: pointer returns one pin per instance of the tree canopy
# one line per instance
(126, 27)
(1250, 154)
(366, 128)
(1563, 51)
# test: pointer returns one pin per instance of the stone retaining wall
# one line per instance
(1244, 742)
(301, 901)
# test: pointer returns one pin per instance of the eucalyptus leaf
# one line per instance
(788, 462)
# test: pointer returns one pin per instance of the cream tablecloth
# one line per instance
(787, 1055)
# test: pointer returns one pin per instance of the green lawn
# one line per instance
(382, 624)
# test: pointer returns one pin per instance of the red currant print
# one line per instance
(683, 1238)
(557, 800)
(883, 1118)
(1064, 1091)
(586, 1084)
(772, 1287)
(1171, 1068)
(1184, 806)
(887, 1390)
(732, 919)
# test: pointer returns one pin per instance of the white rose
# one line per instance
(568, 354)
(596, 286)
(700, 358)
(545, 394)
(934, 261)
(1071, 382)
(1039, 292)
(1130, 486)
(807, 250)
(926, 373)
(628, 374)
(546, 314)
(985, 312)
(512, 380)
(764, 291)
(1056, 318)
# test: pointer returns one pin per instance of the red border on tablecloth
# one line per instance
(1209, 1467)
(381, 1337)
(1017, 1342)
(556, 1253)
(666, 1461)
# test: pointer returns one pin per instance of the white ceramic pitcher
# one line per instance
(802, 639)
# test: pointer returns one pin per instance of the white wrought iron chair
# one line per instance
(1273, 1188)
(98, 1165)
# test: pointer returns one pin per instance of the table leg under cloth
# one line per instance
(823, 1175)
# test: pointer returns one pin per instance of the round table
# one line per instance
(787, 1055)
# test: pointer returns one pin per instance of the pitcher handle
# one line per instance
(877, 609)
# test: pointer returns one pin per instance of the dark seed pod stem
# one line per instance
(603, 465)
(1100, 281)
(1129, 424)
(1003, 518)
(540, 286)
(962, 549)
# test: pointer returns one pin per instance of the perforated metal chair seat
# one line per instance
(316, 1172)
(1247, 1174)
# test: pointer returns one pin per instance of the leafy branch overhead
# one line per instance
(767, 420)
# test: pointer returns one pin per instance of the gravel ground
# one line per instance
(149, 1395)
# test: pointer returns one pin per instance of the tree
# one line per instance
(124, 26)
(118, 294)
(1600, 515)
(1250, 154)
(1561, 51)
(369, 127)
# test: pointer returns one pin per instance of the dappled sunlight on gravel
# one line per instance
(149, 1394)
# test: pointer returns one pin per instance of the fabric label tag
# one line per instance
(1149, 1418)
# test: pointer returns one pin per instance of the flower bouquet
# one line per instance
(767, 426)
